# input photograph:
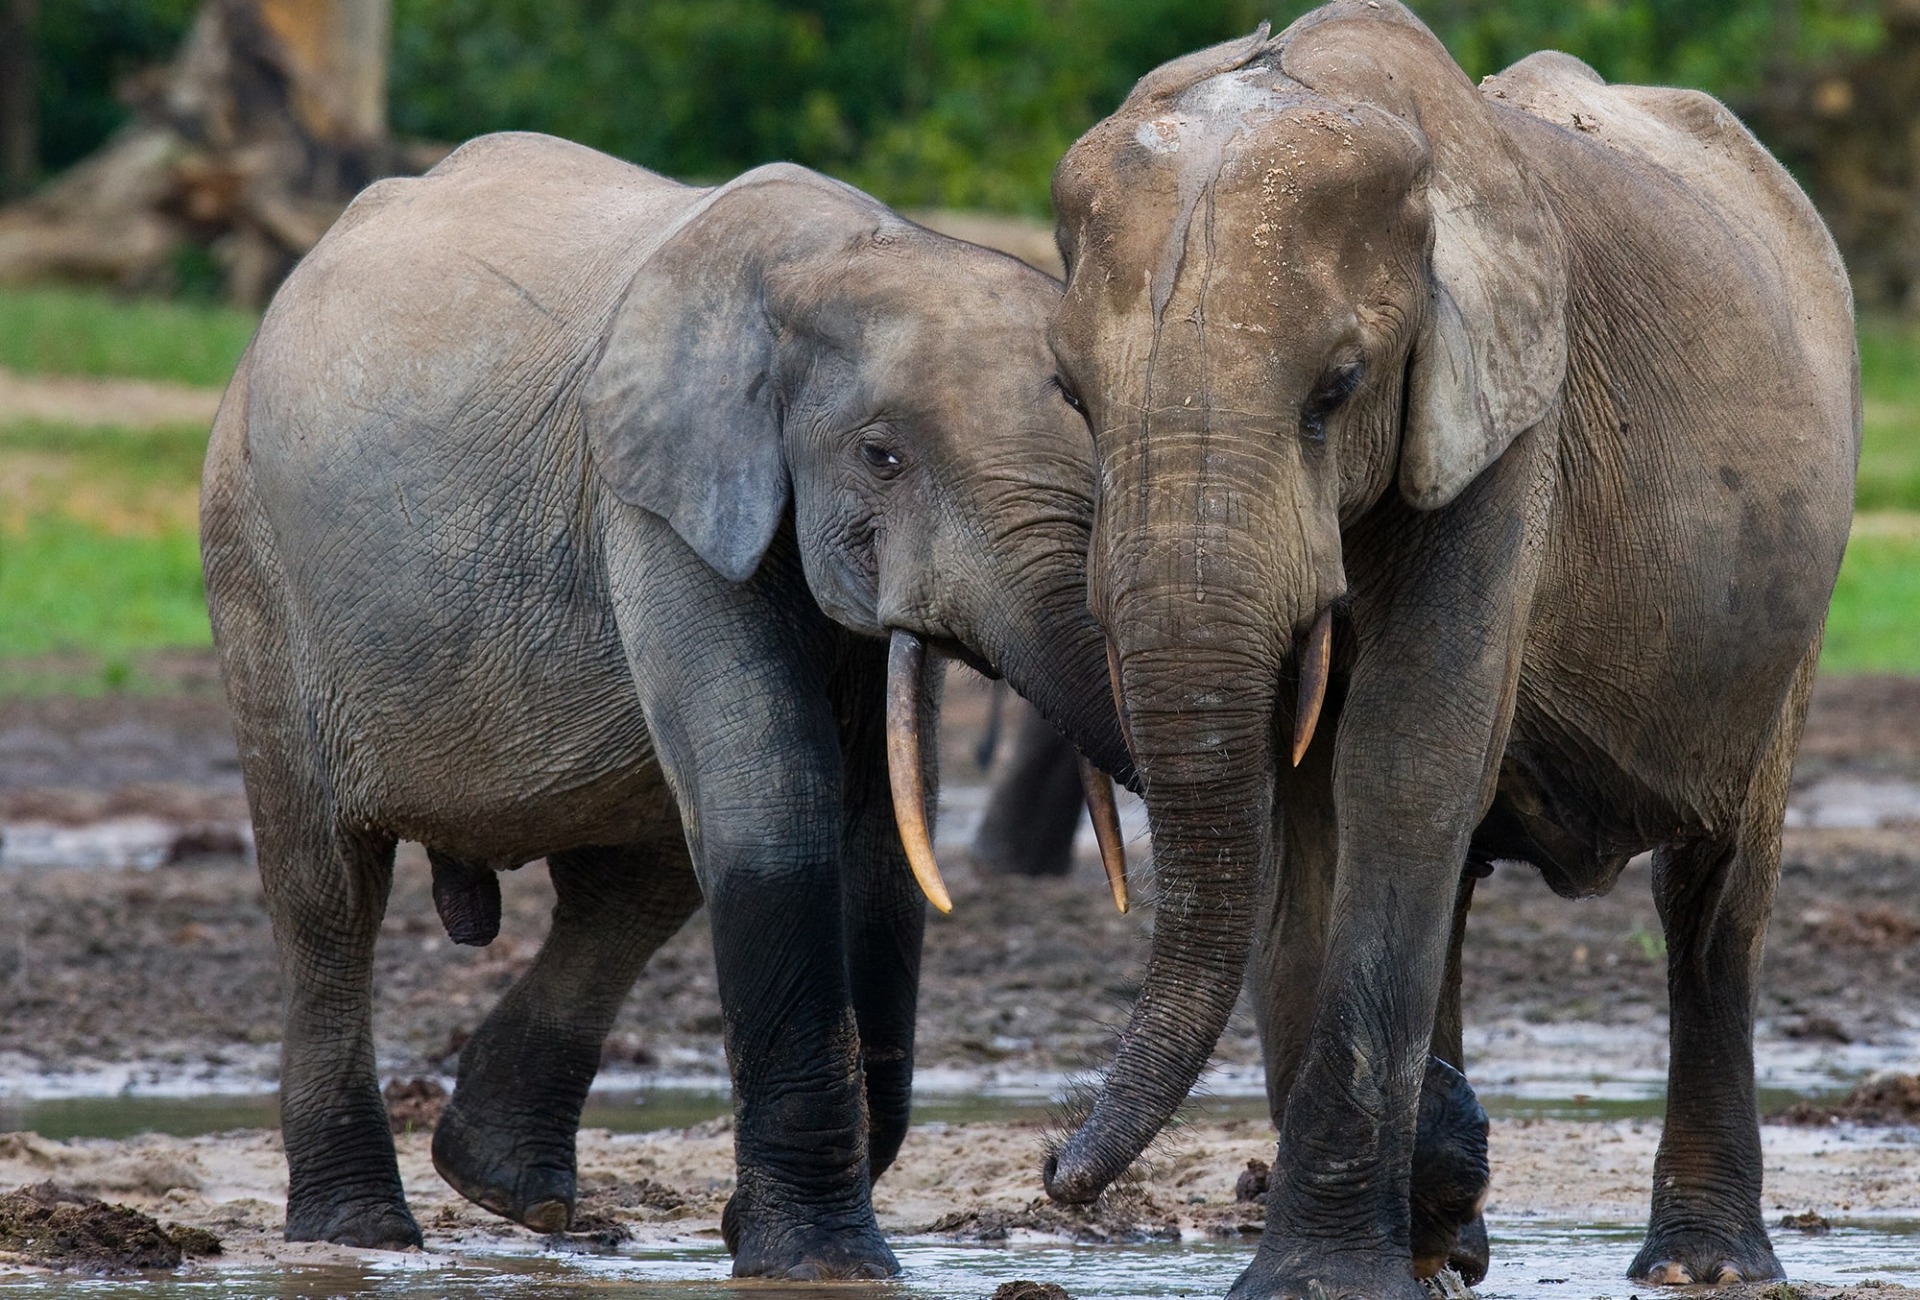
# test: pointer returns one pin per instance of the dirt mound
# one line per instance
(616, 1195)
(52, 1227)
(1125, 1216)
(1884, 1100)
(414, 1104)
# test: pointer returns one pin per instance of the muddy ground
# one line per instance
(167, 974)
(175, 966)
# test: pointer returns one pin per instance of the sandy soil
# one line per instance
(130, 403)
(964, 1181)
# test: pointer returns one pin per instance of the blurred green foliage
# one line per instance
(951, 102)
(68, 331)
(87, 49)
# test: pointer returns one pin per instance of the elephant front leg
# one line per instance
(1449, 1175)
(885, 912)
(734, 680)
(506, 1140)
(1425, 720)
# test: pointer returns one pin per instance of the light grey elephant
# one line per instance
(1507, 433)
(561, 511)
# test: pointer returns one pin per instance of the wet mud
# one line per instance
(49, 1226)
(162, 976)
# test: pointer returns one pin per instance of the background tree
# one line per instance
(949, 103)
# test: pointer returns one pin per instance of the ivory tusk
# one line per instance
(1106, 829)
(906, 678)
(1316, 656)
(1119, 699)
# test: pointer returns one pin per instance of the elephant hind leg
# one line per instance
(1714, 898)
(326, 885)
(506, 1140)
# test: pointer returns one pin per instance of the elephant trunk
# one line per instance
(1216, 561)
(1207, 756)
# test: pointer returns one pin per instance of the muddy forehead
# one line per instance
(1250, 128)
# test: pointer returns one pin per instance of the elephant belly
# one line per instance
(1565, 806)
(531, 749)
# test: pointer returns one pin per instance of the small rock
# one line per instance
(1025, 1290)
(1810, 1222)
(193, 1241)
(1252, 1183)
(1818, 1029)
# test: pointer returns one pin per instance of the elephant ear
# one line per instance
(683, 408)
(1493, 354)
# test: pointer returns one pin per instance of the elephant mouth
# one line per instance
(949, 648)
(907, 669)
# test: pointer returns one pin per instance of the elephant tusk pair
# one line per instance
(1316, 657)
(906, 689)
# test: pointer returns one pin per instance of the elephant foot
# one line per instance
(1467, 1255)
(1450, 1177)
(1680, 1258)
(489, 1168)
(371, 1225)
(767, 1246)
(1349, 1277)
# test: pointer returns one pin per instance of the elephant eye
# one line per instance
(1329, 396)
(1072, 398)
(881, 459)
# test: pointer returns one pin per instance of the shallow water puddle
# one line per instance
(126, 1116)
(1533, 1260)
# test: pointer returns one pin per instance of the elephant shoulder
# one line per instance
(1688, 143)
(1691, 137)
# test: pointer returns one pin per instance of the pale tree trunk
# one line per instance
(271, 117)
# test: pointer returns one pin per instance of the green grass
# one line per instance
(65, 587)
(1874, 624)
(99, 546)
(168, 455)
(75, 332)
(1890, 447)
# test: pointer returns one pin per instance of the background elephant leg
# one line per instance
(1450, 1153)
(1714, 899)
(885, 913)
(506, 1140)
(327, 892)
(1033, 812)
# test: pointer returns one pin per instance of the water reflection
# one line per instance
(1533, 1260)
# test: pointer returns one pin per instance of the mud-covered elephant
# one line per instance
(1509, 432)
(561, 511)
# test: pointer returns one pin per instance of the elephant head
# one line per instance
(1305, 272)
(794, 350)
